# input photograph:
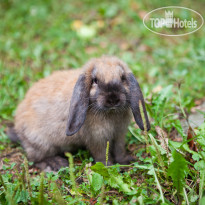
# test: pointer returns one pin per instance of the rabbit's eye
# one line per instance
(95, 80)
(123, 78)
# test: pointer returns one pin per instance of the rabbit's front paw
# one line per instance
(52, 164)
(124, 160)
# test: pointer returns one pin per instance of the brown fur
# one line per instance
(41, 118)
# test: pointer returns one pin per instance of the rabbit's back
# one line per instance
(42, 116)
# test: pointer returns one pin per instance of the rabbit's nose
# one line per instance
(112, 100)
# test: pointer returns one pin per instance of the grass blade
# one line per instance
(41, 190)
(71, 167)
(186, 197)
(158, 186)
(201, 183)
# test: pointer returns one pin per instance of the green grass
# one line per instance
(38, 37)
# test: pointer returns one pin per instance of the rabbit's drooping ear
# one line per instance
(135, 97)
(78, 106)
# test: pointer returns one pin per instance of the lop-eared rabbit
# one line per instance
(82, 108)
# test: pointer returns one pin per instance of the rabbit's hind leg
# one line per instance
(46, 158)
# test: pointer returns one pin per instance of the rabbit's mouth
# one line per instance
(96, 108)
(113, 109)
(116, 110)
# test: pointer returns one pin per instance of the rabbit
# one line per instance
(81, 108)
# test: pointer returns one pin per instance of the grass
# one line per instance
(38, 37)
